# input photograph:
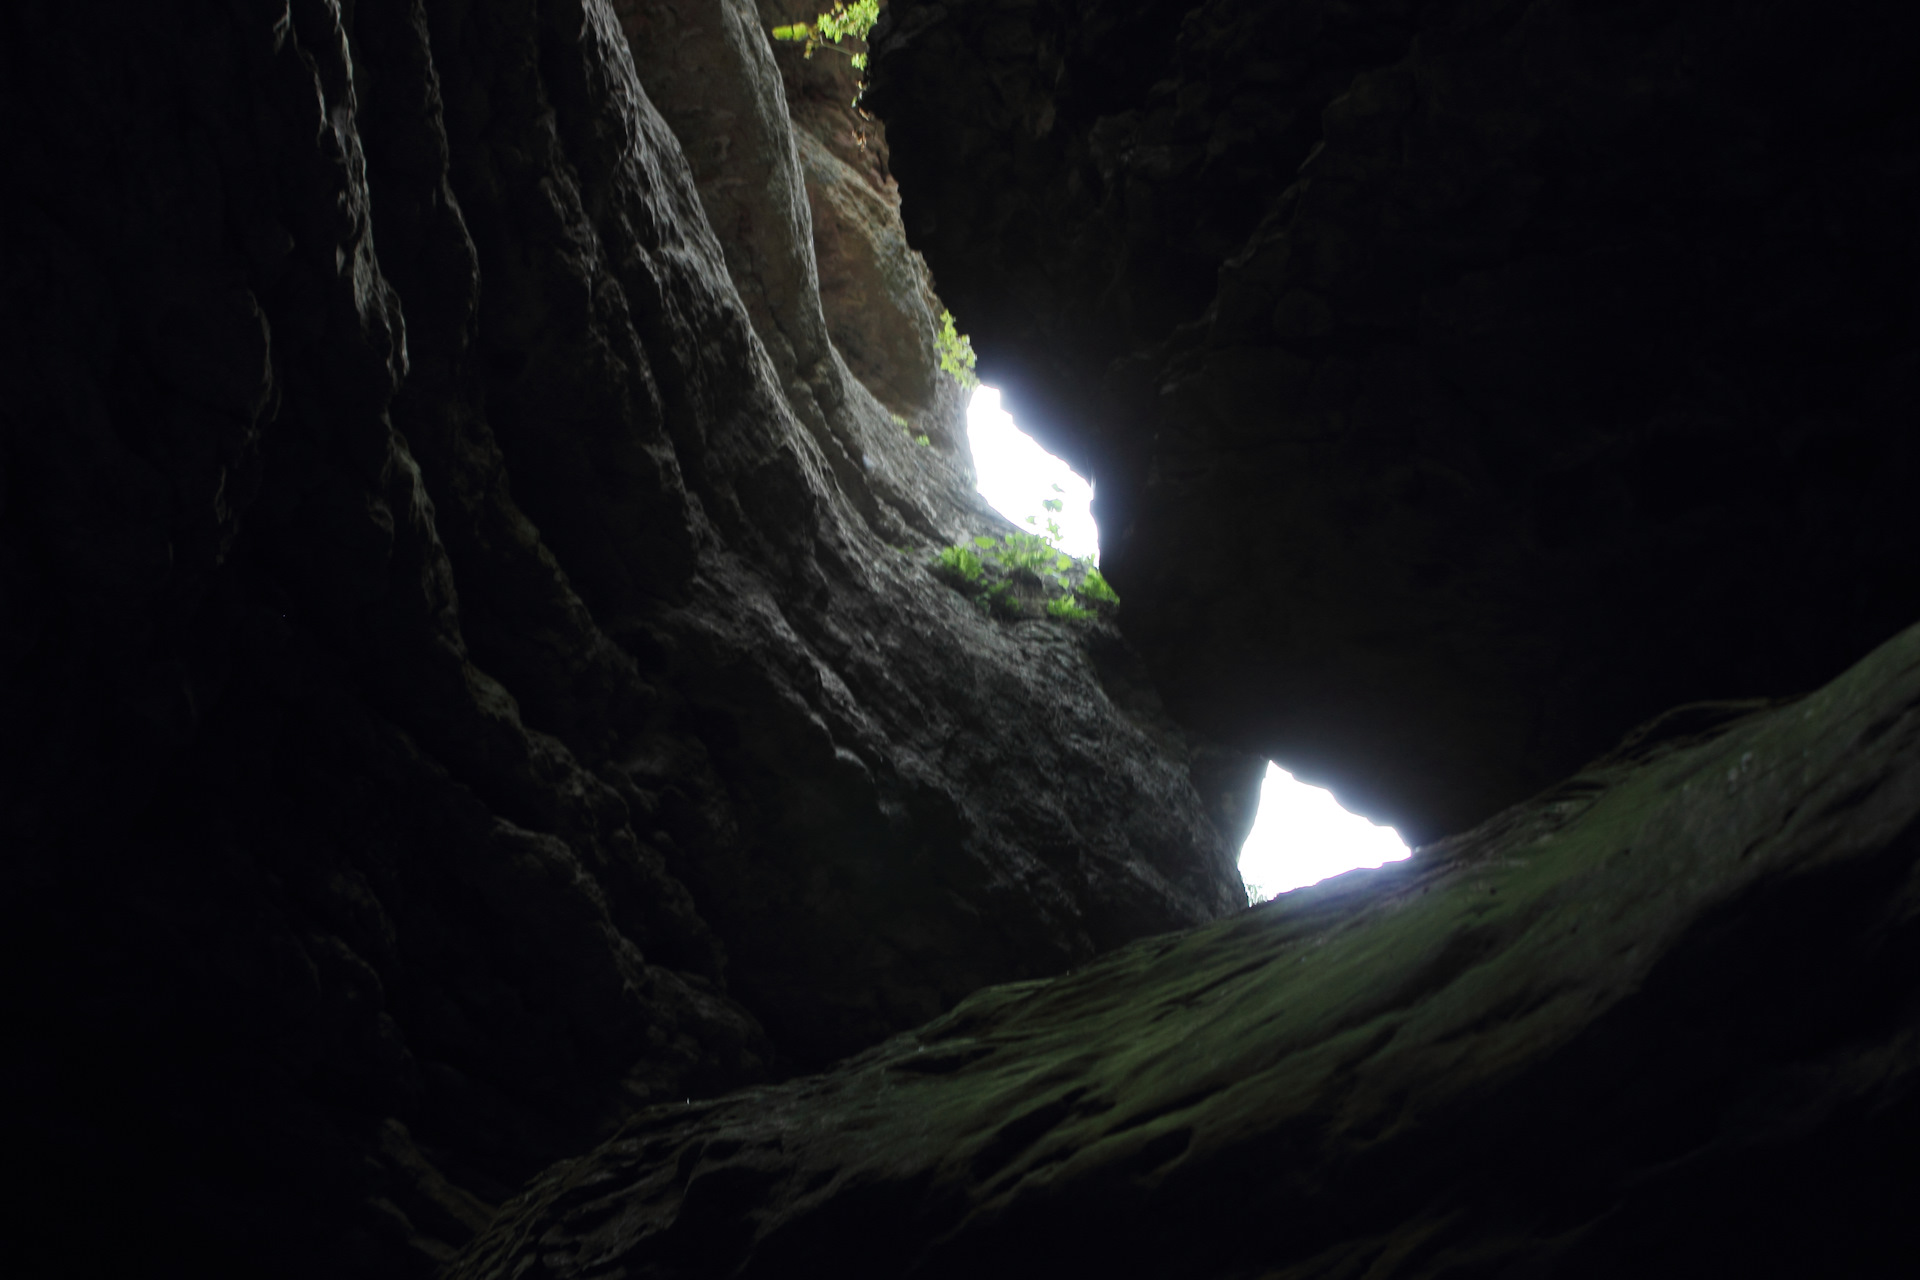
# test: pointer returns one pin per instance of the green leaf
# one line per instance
(845, 22)
(853, 20)
(961, 563)
(956, 353)
(1095, 587)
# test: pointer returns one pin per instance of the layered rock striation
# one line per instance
(467, 663)
(1462, 383)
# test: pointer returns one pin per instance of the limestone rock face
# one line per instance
(1462, 383)
(1662, 1020)
(472, 691)
(467, 663)
(875, 290)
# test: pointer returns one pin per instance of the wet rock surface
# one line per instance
(460, 678)
(1462, 383)
(1661, 1020)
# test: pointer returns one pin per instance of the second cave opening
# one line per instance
(1301, 835)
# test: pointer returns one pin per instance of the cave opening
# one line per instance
(1301, 835)
(1025, 483)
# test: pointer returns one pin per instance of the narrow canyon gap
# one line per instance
(1300, 833)
(495, 781)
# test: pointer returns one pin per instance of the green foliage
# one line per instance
(1053, 527)
(853, 20)
(924, 441)
(1095, 587)
(1255, 894)
(846, 21)
(1031, 553)
(1012, 575)
(956, 353)
(962, 563)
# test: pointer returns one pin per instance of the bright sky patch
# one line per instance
(1018, 477)
(1302, 835)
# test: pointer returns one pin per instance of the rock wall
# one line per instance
(1462, 383)
(1662, 1020)
(467, 662)
(471, 687)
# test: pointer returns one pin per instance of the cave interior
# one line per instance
(497, 781)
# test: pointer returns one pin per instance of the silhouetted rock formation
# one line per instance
(462, 682)
(1462, 382)
(470, 677)
(1658, 1021)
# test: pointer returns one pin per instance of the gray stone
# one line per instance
(1659, 1020)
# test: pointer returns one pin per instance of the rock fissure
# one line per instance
(492, 784)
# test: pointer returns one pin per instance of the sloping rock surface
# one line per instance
(460, 678)
(1662, 1020)
(1463, 383)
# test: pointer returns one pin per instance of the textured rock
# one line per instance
(460, 680)
(1662, 1020)
(1462, 383)
(876, 292)
(712, 71)
(469, 675)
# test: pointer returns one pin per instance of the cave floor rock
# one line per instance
(1660, 1019)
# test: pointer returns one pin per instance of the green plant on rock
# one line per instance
(956, 353)
(922, 439)
(1002, 574)
(960, 562)
(1095, 587)
(846, 21)
(1031, 553)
